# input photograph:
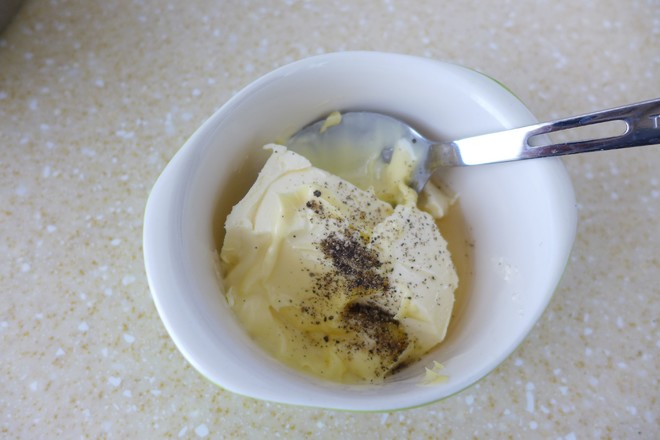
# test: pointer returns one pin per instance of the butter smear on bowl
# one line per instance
(332, 280)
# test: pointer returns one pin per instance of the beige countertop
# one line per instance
(96, 97)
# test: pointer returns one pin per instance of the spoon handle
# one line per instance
(642, 127)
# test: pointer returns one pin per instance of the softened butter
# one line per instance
(332, 280)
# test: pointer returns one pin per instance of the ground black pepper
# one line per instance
(355, 272)
(353, 261)
(386, 337)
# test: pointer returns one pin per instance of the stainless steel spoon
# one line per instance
(333, 147)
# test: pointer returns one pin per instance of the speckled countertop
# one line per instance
(97, 96)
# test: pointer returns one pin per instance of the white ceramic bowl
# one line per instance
(519, 219)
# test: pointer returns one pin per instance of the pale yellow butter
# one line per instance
(433, 375)
(332, 280)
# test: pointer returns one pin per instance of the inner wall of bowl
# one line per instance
(445, 101)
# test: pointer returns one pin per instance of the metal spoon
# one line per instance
(333, 148)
